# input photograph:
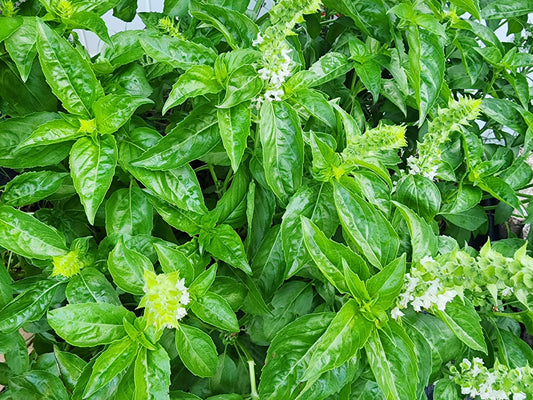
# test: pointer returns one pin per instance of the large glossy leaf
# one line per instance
(89, 324)
(237, 28)
(113, 111)
(282, 141)
(35, 385)
(92, 167)
(328, 256)
(192, 138)
(128, 211)
(366, 227)
(426, 61)
(268, 264)
(420, 194)
(462, 318)
(345, 335)
(21, 46)
(227, 246)
(197, 80)
(152, 374)
(115, 359)
(423, 240)
(127, 268)
(506, 9)
(196, 350)
(288, 355)
(28, 306)
(69, 75)
(330, 66)
(214, 310)
(8, 25)
(25, 235)
(243, 84)
(31, 187)
(177, 52)
(393, 361)
(316, 203)
(234, 126)
(387, 284)
(91, 286)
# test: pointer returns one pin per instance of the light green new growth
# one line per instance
(68, 265)
(7, 8)
(458, 114)
(168, 26)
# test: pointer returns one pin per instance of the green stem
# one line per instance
(214, 176)
(251, 369)
(257, 8)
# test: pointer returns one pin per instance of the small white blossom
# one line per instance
(396, 313)
(519, 396)
(258, 41)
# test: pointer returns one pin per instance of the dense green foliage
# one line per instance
(282, 207)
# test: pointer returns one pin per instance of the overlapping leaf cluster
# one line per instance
(232, 204)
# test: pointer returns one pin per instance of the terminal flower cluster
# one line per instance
(499, 383)
(68, 265)
(165, 299)
(489, 277)
(453, 118)
(277, 61)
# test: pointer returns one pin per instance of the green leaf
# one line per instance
(426, 61)
(127, 268)
(315, 104)
(113, 111)
(25, 235)
(386, 285)
(234, 126)
(36, 385)
(152, 374)
(64, 129)
(464, 199)
(316, 203)
(268, 264)
(470, 6)
(504, 112)
(214, 310)
(129, 212)
(185, 221)
(178, 53)
(196, 350)
(419, 194)
(446, 389)
(173, 259)
(226, 245)
(282, 141)
(115, 359)
(501, 190)
(471, 219)
(243, 84)
(88, 21)
(328, 67)
(8, 25)
(31, 187)
(506, 9)
(92, 167)
(192, 138)
(91, 286)
(69, 75)
(21, 46)
(366, 227)
(328, 256)
(89, 324)
(423, 241)
(237, 28)
(70, 367)
(462, 318)
(393, 361)
(6, 289)
(178, 186)
(287, 356)
(29, 306)
(369, 16)
(345, 335)
(196, 81)
(203, 282)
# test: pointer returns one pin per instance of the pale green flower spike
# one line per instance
(277, 63)
(68, 265)
(458, 114)
(7, 8)
(382, 137)
(165, 298)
